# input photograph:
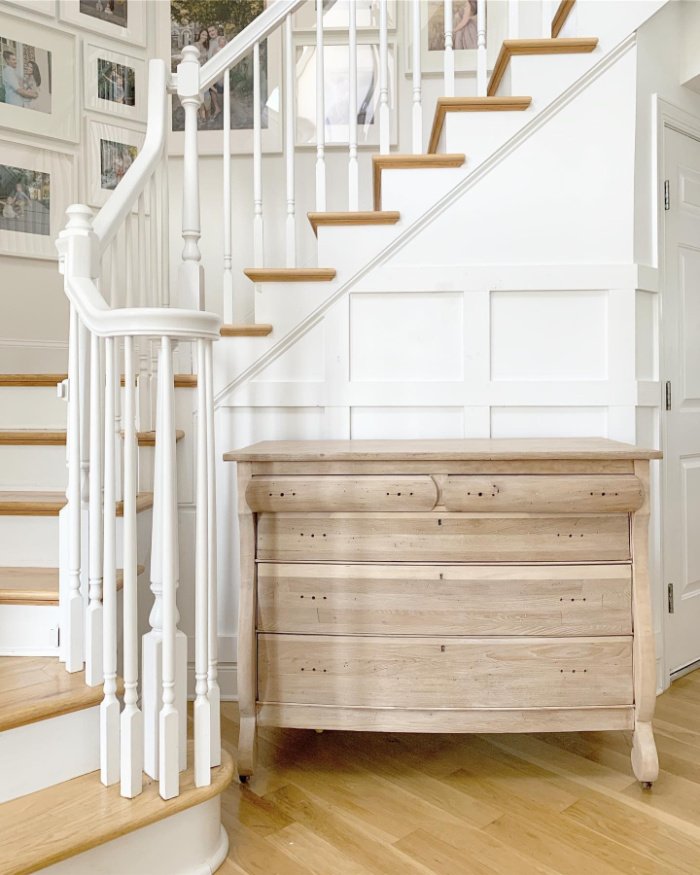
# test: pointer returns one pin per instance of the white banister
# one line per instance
(320, 114)
(94, 674)
(290, 237)
(214, 693)
(481, 60)
(449, 59)
(384, 114)
(353, 168)
(227, 287)
(74, 613)
(258, 227)
(417, 116)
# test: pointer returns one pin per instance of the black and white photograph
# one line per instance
(115, 160)
(25, 75)
(113, 11)
(25, 200)
(116, 82)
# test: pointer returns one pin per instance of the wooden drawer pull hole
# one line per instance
(313, 535)
(561, 599)
(313, 597)
(561, 671)
(281, 494)
(398, 494)
(314, 669)
(570, 535)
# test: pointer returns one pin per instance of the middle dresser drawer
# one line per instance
(559, 600)
(442, 537)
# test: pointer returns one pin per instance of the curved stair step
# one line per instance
(257, 330)
(30, 437)
(36, 503)
(37, 586)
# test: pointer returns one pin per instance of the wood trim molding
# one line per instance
(258, 330)
(359, 217)
(471, 104)
(290, 274)
(559, 46)
(31, 379)
(561, 15)
(408, 162)
(41, 438)
(35, 503)
(182, 381)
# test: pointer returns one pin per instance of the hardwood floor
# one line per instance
(343, 803)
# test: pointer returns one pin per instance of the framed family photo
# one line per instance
(111, 152)
(36, 187)
(336, 15)
(115, 83)
(119, 19)
(210, 25)
(38, 79)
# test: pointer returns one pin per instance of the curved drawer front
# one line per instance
(542, 493)
(368, 493)
(414, 537)
(564, 600)
(445, 672)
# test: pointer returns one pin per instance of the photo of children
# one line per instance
(115, 160)
(25, 200)
(114, 11)
(25, 76)
(116, 82)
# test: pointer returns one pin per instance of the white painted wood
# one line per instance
(31, 407)
(384, 117)
(290, 230)
(213, 688)
(449, 59)
(320, 114)
(29, 630)
(513, 19)
(353, 167)
(94, 673)
(258, 226)
(417, 112)
(227, 196)
(481, 74)
(74, 609)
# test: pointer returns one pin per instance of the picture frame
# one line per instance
(337, 16)
(43, 7)
(36, 212)
(114, 83)
(337, 93)
(432, 51)
(38, 95)
(128, 22)
(111, 150)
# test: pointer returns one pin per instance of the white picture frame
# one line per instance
(337, 93)
(53, 112)
(134, 81)
(134, 32)
(26, 235)
(118, 160)
(43, 7)
(337, 17)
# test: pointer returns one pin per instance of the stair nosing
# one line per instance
(471, 104)
(541, 46)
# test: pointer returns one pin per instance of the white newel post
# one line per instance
(384, 114)
(449, 60)
(417, 119)
(320, 115)
(481, 60)
(353, 168)
(191, 270)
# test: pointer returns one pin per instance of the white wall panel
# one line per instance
(647, 336)
(549, 422)
(302, 362)
(406, 422)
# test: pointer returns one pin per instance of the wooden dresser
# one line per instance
(446, 586)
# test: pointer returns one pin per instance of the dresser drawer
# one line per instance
(564, 600)
(542, 493)
(448, 537)
(356, 493)
(443, 672)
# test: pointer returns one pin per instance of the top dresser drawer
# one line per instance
(399, 492)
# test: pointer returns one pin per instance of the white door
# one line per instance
(681, 357)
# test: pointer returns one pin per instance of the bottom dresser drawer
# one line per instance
(444, 672)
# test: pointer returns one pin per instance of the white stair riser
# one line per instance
(480, 134)
(544, 77)
(347, 246)
(33, 467)
(31, 407)
(413, 191)
(29, 630)
(29, 540)
(48, 752)
(286, 304)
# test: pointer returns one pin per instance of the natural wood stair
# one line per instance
(357, 217)
(395, 161)
(471, 104)
(290, 274)
(57, 437)
(37, 586)
(561, 15)
(59, 822)
(31, 379)
(259, 330)
(557, 46)
(43, 503)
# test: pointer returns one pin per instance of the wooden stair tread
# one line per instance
(556, 46)
(44, 438)
(258, 330)
(37, 586)
(64, 820)
(290, 274)
(561, 15)
(356, 217)
(395, 161)
(43, 503)
(31, 379)
(182, 381)
(471, 104)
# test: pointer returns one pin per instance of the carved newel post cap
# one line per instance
(79, 217)
(190, 53)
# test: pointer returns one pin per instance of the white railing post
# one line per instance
(289, 116)
(94, 674)
(191, 271)
(384, 114)
(449, 60)
(320, 115)
(353, 169)
(258, 221)
(417, 118)
(214, 692)
(227, 287)
(481, 61)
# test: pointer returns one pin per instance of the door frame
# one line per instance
(667, 116)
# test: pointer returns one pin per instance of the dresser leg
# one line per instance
(645, 762)
(246, 748)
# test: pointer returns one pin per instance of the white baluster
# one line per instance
(154, 278)
(481, 73)
(289, 116)
(84, 370)
(169, 724)
(75, 607)
(384, 114)
(228, 242)
(202, 713)
(417, 117)
(353, 168)
(109, 709)
(258, 228)
(214, 692)
(514, 19)
(143, 290)
(191, 271)
(449, 60)
(164, 237)
(94, 674)
(131, 718)
(130, 254)
(320, 115)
